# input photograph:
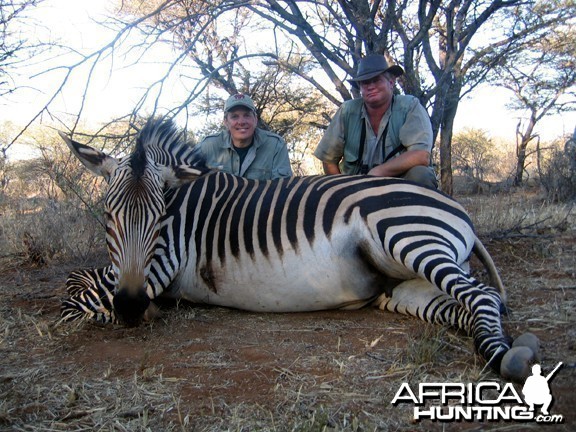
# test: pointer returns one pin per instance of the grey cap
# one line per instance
(373, 65)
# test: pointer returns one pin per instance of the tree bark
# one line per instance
(523, 138)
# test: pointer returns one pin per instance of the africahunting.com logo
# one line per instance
(483, 401)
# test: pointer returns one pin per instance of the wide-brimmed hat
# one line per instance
(373, 65)
(239, 100)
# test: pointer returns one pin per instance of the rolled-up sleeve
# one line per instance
(281, 165)
(330, 149)
(416, 132)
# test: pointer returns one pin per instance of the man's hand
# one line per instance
(397, 166)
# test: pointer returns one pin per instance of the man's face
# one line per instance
(377, 91)
(241, 122)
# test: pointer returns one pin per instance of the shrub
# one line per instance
(51, 209)
(558, 175)
(53, 231)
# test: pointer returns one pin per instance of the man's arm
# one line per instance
(331, 168)
(330, 149)
(397, 166)
(281, 166)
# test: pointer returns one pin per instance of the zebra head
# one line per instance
(135, 204)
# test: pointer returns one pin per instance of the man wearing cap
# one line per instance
(244, 149)
(379, 134)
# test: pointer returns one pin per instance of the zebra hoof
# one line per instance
(151, 313)
(529, 340)
(517, 363)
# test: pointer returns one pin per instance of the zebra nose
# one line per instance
(130, 307)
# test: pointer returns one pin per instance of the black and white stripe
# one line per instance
(213, 236)
(90, 292)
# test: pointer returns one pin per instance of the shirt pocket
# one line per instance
(284, 172)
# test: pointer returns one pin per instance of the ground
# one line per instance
(207, 368)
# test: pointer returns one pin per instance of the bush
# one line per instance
(53, 231)
(558, 175)
(51, 210)
(480, 164)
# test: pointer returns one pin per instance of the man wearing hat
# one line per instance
(379, 134)
(244, 149)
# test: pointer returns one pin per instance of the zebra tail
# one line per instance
(486, 260)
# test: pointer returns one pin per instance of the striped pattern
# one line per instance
(90, 296)
(273, 217)
(285, 245)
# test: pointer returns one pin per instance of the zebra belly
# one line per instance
(323, 278)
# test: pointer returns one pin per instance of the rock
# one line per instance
(517, 364)
(529, 340)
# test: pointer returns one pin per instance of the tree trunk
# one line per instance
(443, 115)
(523, 138)
(446, 160)
(520, 161)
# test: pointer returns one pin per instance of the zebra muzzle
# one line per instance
(130, 307)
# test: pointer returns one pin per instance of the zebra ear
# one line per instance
(178, 175)
(96, 161)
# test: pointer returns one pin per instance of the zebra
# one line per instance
(175, 228)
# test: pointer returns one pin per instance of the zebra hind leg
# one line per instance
(484, 305)
(90, 296)
(422, 299)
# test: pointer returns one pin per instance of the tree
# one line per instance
(318, 43)
(212, 35)
(14, 47)
(473, 153)
(333, 35)
(406, 34)
(557, 170)
(542, 78)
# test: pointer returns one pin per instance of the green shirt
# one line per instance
(266, 159)
(406, 124)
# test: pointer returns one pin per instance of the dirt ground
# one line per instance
(210, 369)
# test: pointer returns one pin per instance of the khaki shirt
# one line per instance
(267, 157)
(406, 124)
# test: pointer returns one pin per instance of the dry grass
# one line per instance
(43, 394)
(516, 215)
(46, 235)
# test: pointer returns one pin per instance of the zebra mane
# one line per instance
(163, 142)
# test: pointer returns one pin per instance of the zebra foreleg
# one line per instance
(91, 297)
(91, 292)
